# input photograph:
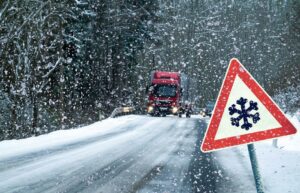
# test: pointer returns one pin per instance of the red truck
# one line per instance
(165, 93)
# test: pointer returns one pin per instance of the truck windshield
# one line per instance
(165, 90)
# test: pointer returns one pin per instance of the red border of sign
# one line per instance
(237, 69)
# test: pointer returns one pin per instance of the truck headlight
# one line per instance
(202, 113)
(174, 110)
(150, 109)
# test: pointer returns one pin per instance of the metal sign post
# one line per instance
(255, 169)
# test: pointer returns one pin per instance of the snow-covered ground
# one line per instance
(127, 154)
(9, 148)
(143, 154)
(279, 167)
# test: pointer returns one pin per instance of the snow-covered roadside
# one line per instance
(10, 148)
(280, 167)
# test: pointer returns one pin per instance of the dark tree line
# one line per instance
(64, 63)
(68, 63)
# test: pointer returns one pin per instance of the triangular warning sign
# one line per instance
(244, 113)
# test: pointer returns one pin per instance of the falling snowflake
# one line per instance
(244, 114)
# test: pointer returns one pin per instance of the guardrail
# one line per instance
(120, 111)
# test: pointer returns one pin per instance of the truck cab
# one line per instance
(164, 93)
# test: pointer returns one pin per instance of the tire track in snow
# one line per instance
(175, 168)
(110, 171)
(164, 147)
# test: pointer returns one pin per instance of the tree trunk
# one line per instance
(62, 97)
(35, 111)
(13, 130)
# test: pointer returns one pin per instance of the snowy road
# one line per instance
(128, 154)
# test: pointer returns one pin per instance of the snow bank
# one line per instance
(280, 167)
(9, 148)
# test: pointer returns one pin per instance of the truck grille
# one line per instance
(163, 102)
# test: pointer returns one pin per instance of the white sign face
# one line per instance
(266, 122)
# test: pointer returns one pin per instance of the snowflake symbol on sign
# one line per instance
(244, 114)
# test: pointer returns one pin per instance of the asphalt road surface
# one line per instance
(145, 154)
